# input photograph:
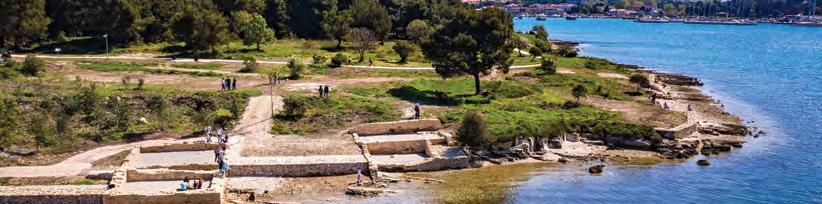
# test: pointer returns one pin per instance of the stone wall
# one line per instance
(53, 194)
(204, 198)
(134, 175)
(297, 170)
(679, 132)
(397, 147)
(432, 164)
(406, 126)
(179, 147)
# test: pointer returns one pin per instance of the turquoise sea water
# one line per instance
(769, 74)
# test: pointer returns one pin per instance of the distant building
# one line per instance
(622, 13)
(536, 9)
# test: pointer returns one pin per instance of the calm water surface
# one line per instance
(769, 74)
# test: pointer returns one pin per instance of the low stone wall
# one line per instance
(679, 132)
(134, 175)
(432, 164)
(204, 198)
(297, 170)
(397, 147)
(179, 147)
(53, 194)
(406, 126)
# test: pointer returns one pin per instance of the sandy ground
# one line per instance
(307, 189)
(168, 159)
(612, 75)
(636, 111)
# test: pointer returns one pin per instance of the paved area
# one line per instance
(255, 183)
(398, 158)
(154, 187)
(168, 159)
(399, 137)
(315, 159)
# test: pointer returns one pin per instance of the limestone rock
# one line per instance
(703, 162)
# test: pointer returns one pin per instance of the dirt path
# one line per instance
(80, 163)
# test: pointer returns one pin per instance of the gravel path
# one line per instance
(169, 159)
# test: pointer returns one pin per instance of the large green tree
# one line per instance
(22, 21)
(336, 24)
(372, 15)
(471, 43)
(276, 13)
(201, 28)
(256, 31)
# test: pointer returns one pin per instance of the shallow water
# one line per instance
(769, 74)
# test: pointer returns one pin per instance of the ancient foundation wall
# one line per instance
(398, 127)
(297, 170)
(181, 197)
(179, 147)
(434, 164)
(134, 175)
(53, 194)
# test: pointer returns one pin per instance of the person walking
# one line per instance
(234, 84)
(222, 84)
(359, 177)
(320, 91)
(208, 133)
(220, 134)
(416, 110)
(325, 90)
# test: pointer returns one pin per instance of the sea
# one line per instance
(770, 75)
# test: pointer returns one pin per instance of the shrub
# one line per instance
(338, 60)
(543, 45)
(295, 107)
(32, 66)
(402, 49)
(578, 91)
(640, 81)
(567, 51)
(473, 131)
(535, 52)
(295, 68)
(548, 66)
(249, 65)
(140, 83)
(43, 134)
(318, 59)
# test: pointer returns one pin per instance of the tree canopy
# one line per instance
(256, 31)
(471, 43)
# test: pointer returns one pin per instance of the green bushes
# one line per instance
(403, 49)
(567, 51)
(473, 131)
(295, 69)
(548, 67)
(338, 60)
(318, 59)
(32, 66)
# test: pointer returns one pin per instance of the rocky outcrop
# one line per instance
(703, 162)
(596, 169)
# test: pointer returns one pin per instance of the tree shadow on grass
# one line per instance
(429, 97)
(74, 47)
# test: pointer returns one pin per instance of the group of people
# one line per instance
(228, 84)
(323, 90)
(5, 55)
(221, 137)
(186, 184)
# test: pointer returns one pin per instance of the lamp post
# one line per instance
(106, 36)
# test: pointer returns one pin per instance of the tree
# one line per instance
(256, 31)
(338, 60)
(535, 52)
(669, 10)
(578, 91)
(640, 81)
(372, 15)
(473, 131)
(471, 43)
(32, 66)
(201, 28)
(277, 15)
(521, 44)
(295, 68)
(22, 21)
(402, 49)
(418, 31)
(548, 67)
(539, 32)
(336, 24)
(363, 40)
(543, 45)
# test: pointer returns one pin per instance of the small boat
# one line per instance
(570, 18)
(542, 17)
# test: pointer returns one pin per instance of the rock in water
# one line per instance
(703, 162)
(596, 169)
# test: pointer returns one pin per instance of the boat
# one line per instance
(542, 17)
(570, 18)
(719, 22)
(652, 20)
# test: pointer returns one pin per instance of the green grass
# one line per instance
(206, 66)
(138, 67)
(332, 112)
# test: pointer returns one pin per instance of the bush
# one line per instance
(41, 129)
(32, 66)
(295, 68)
(535, 52)
(402, 49)
(338, 60)
(295, 107)
(249, 65)
(318, 59)
(567, 52)
(548, 67)
(473, 131)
